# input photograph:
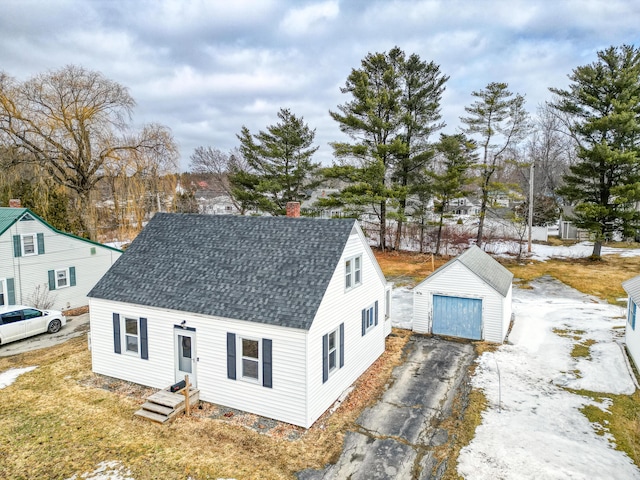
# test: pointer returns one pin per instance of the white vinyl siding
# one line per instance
(30, 273)
(456, 280)
(340, 306)
(632, 333)
(285, 401)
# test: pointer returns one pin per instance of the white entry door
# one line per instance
(186, 359)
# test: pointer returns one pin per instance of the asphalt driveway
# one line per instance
(395, 437)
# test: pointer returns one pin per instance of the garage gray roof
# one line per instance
(632, 287)
(272, 270)
(485, 267)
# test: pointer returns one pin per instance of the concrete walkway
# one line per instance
(395, 437)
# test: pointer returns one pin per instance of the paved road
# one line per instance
(75, 327)
(395, 437)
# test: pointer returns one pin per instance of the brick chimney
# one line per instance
(293, 209)
(15, 203)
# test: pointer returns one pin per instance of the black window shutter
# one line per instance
(266, 363)
(364, 321)
(231, 355)
(52, 280)
(11, 292)
(72, 276)
(117, 345)
(17, 246)
(40, 237)
(325, 358)
(144, 339)
(376, 312)
(341, 345)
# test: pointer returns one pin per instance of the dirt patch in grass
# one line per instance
(61, 419)
(602, 279)
(408, 268)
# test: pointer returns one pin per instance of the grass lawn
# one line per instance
(55, 424)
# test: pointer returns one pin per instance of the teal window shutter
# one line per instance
(11, 292)
(72, 276)
(17, 246)
(40, 243)
(52, 280)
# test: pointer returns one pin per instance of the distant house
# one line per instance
(468, 297)
(271, 315)
(39, 263)
(632, 332)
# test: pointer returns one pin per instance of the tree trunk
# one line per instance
(597, 249)
(383, 226)
(483, 211)
(85, 216)
(439, 232)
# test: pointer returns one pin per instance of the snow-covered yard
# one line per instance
(533, 427)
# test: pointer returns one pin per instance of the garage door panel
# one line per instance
(457, 317)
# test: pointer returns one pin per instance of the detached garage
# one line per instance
(468, 297)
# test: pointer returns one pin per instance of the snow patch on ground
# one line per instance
(111, 470)
(9, 376)
(533, 427)
(544, 252)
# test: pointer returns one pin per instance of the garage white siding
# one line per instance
(632, 328)
(457, 280)
(340, 306)
(285, 401)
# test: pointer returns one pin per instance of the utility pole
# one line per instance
(530, 206)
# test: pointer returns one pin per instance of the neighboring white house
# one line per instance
(467, 297)
(632, 332)
(271, 315)
(40, 264)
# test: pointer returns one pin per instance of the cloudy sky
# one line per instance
(204, 68)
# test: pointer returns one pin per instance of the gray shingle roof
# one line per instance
(485, 267)
(632, 287)
(271, 270)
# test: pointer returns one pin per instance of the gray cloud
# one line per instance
(205, 68)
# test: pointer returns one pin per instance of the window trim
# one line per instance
(352, 273)
(67, 277)
(335, 350)
(240, 359)
(632, 314)
(370, 319)
(125, 334)
(34, 236)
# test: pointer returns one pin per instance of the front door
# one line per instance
(185, 347)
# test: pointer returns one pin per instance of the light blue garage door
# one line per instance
(457, 317)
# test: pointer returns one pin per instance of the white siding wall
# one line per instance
(286, 401)
(61, 251)
(340, 306)
(506, 311)
(632, 337)
(457, 281)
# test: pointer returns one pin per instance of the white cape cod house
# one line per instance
(40, 264)
(632, 330)
(271, 315)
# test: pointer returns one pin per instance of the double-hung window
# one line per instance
(250, 367)
(369, 318)
(250, 359)
(131, 335)
(62, 278)
(353, 272)
(632, 314)
(332, 352)
(29, 245)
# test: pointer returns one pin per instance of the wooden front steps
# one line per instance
(163, 406)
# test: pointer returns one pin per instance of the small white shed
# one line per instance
(468, 297)
(632, 334)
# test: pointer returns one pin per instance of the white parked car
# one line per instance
(18, 322)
